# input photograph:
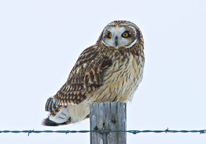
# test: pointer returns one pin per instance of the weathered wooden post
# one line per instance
(108, 116)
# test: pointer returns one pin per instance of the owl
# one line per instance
(108, 71)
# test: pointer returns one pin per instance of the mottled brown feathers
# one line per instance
(85, 77)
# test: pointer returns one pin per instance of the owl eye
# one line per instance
(126, 34)
(109, 35)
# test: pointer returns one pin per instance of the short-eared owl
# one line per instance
(108, 71)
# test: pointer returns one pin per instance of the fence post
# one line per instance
(108, 116)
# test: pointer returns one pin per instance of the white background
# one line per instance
(41, 40)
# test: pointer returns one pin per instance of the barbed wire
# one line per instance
(203, 131)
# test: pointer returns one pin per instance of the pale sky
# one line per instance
(41, 40)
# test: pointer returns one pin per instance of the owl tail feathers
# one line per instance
(48, 122)
(61, 118)
(58, 114)
(62, 115)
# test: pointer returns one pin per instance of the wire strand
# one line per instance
(203, 131)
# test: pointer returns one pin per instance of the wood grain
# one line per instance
(108, 116)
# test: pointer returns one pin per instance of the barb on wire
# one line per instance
(203, 131)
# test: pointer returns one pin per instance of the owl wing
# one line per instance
(85, 77)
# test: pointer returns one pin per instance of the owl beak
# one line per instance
(116, 41)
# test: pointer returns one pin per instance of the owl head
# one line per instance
(121, 34)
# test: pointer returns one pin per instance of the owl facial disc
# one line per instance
(119, 36)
